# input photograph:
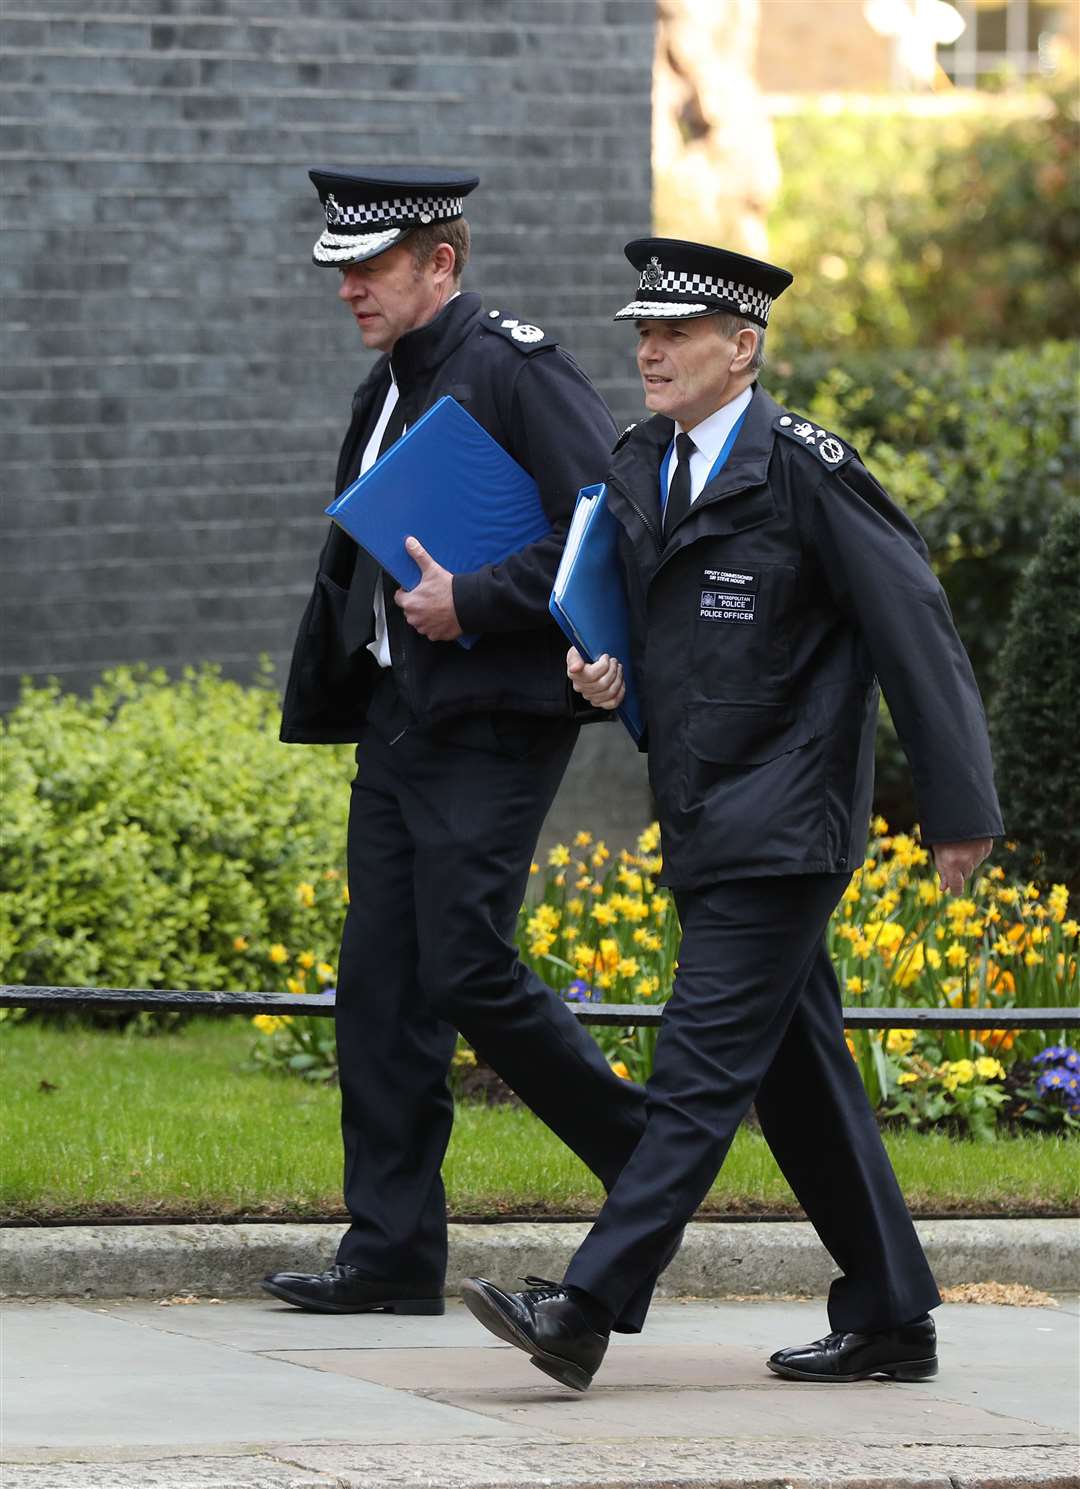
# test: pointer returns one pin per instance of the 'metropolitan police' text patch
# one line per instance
(718, 605)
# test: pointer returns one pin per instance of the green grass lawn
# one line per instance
(97, 1123)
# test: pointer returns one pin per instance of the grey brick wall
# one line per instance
(176, 372)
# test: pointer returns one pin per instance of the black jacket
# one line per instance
(759, 633)
(533, 398)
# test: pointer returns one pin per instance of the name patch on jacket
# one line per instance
(730, 596)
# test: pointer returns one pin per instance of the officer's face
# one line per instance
(388, 295)
(686, 368)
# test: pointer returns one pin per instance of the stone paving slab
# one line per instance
(130, 1395)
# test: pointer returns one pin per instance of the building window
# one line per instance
(1011, 39)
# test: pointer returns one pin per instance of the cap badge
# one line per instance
(653, 274)
(527, 333)
(333, 212)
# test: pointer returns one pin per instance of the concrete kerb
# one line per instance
(717, 1260)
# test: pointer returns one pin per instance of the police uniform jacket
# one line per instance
(532, 397)
(759, 632)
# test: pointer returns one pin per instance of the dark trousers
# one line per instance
(442, 828)
(756, 1015)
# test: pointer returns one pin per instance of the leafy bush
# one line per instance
(1035, 720)
(981, 449)
(905, 229)
(155, 831)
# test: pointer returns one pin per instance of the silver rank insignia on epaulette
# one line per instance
(830, 449)
(523, 332)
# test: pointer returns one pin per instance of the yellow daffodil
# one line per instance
(619, 1067)
(906, 1078)
(295, 985)
(559, 856)
(306, 959)
(324, 972)
(278, 953)
(582, 840)
(305, 893)
(240, 943)
(854, 985)
(1070, 928)
(649, 840)
(900, 1041)
(956, 955)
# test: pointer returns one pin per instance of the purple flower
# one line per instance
(581, 992)
(1050, 1080)
(1058, 1054)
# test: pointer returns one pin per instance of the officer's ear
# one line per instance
(443, 261)
(746, 340)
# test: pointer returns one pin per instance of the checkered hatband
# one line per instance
(397, 211)
(719, 294)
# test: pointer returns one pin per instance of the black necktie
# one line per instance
(678, 497)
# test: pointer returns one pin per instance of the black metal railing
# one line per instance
(164, 1000)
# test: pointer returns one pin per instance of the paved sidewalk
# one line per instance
(255, 1395)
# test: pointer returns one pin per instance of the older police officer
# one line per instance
(772, 583)
(459, 751)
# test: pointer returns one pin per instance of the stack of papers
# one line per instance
(589, 597)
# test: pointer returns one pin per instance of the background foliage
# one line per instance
(903, 230)
(1035, 722)
(155, 830)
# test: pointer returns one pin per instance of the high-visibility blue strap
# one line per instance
(717, 465)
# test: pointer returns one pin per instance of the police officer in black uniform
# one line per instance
(772, 584)
(460, 752)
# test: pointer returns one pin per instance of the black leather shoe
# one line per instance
(906, 1353)
(545, 1322)
(346, 1290)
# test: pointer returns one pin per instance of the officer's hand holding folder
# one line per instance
(589, 598)
(449, 484)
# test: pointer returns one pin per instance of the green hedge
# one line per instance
(905, 230)
(1035, 720)
(149, 827)
(981, 449)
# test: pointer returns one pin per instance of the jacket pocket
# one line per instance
(750, 733)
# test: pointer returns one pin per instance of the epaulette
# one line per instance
(523, 335)
(832, 452)
(624, 436)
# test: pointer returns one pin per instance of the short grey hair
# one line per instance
(729, 327)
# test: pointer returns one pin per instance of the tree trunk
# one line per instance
(715, 167)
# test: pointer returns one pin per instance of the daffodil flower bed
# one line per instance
(598, 928)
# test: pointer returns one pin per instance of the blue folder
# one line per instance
(449, 484)
(589, 597)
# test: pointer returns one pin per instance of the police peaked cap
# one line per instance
(368, 212)
(681, 281)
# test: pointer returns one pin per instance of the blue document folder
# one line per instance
(449, 484)
(589, 598)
